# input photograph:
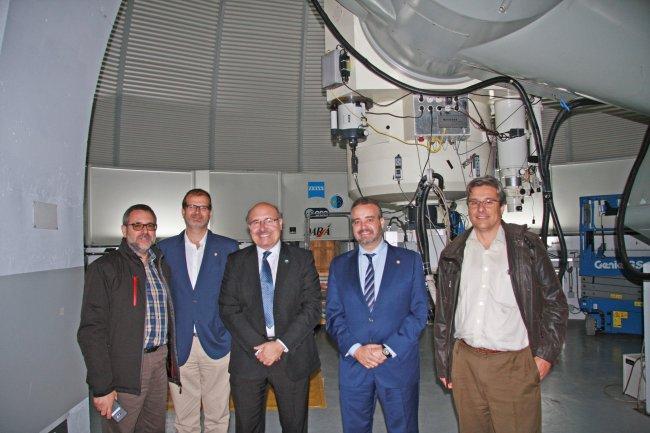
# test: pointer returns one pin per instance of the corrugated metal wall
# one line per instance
(214, 84)
(593, 137)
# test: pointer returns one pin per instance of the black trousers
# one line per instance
(249, 396)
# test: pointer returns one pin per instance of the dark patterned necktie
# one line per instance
(369, 286)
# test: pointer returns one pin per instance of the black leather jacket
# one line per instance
(111, 332)
(538, 292)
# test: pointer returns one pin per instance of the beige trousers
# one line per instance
(204, 380)
(496, 392)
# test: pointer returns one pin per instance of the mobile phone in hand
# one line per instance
(118, 412)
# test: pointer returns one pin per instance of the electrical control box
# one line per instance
(330, 64)
(438, 115)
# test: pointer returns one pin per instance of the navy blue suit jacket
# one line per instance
(397, 320)
(198, 307)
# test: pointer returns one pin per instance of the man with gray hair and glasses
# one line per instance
(126, 332)
(500, 319)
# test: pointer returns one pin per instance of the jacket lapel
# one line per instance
(353, 273)
(253, 285)
(391, 271)
(210, 258)
(180, 250)
(284, 262)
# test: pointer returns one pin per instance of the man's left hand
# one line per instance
(543, 366)
(269, 353)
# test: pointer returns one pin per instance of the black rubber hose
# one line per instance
(621, 251)
(549, 211)
(561, 117)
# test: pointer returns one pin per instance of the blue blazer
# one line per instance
(397, 320)
(198, 307)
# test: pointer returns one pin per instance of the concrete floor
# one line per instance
(582, 394)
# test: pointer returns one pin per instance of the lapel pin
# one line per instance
(216, 254)
(397, 261)
(286, 260)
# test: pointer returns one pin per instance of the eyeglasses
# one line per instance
(265, 221)
(488, 203)
(193, 207)
(138, 227)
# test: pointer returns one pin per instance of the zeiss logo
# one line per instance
(315, 189)
(612, 265)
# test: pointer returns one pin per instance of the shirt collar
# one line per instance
(500, 237)
(380, 249)
(189, 243)
(275, 249)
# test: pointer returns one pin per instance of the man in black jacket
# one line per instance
(270, 303)
(126, 332)
(500, 318)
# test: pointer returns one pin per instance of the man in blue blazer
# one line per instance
(197, 258)
(376, 311)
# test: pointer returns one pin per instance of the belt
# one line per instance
(481, 350)
(151, 349)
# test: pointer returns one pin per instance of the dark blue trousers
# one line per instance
(400, 407)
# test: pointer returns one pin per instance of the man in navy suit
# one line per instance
(197, 258)
(376, 311)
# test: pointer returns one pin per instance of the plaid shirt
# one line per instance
(155, 329)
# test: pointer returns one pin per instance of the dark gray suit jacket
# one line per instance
(296, 311)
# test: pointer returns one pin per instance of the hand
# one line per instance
(370, 355)
(269, 353)
(543, 366)
(447, 384)
(104, 404)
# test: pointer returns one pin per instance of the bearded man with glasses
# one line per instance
(270, 302)
(500, 319)
(126, 332)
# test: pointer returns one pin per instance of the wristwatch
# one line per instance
(385, 351)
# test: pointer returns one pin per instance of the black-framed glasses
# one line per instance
(193, 207)
(488, 203)
(138, 227)
(265, 221)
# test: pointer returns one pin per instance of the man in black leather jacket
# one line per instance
(500, 318)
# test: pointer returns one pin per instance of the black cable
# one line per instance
(376, 103)
(501, 79)
(619, 232)
(396, 116)
(547, 192)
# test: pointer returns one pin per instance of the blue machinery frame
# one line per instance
(612, 314)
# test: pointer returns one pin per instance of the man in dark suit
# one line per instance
(376, 311)
(270, 303)
(197, 258)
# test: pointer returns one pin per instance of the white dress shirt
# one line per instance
(194, 258)
(487, 314)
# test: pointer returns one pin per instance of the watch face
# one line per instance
(385, 352)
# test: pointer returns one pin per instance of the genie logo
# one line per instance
(613, 264)
(316, 189)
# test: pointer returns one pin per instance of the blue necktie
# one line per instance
(266, 280)
(369, 286)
